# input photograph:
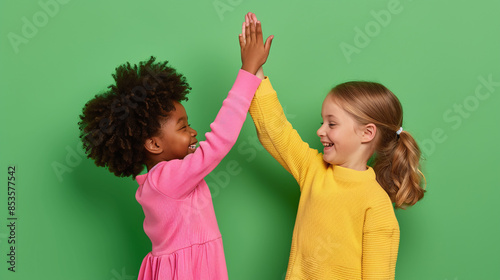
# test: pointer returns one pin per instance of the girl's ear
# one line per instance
(369, 132)
(152, 145)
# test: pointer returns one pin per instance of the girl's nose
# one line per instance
(321, 131)
(193, 132)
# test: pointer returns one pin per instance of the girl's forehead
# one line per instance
(178, 112)
(333, 109)
(175, 115)
(330, 105)
(179, 108)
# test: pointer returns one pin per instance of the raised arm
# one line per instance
(277, 135)
(178, 178)
(264, 109)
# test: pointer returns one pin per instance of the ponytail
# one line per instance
(397, 154)
(397, 167)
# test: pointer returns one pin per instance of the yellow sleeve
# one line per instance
(380, 244)
(277, 135)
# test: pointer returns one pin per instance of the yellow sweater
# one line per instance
(345, 227)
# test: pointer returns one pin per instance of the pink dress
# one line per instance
(179, 215)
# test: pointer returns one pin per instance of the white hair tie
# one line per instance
(399, 131)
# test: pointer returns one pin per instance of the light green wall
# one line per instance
(85, 223)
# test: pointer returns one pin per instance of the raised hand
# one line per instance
(251, 16)
(254, 52)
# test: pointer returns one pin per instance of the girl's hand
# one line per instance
(253, 52)
(248, 17)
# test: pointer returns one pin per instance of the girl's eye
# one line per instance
(185, 127)
(329, 124)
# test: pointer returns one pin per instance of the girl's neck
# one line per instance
(358, 166)
(150, 163)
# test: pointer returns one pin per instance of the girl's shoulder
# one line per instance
(377, 196)
(372, 195)
(161, 171)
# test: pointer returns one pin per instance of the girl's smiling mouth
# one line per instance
(192, 147)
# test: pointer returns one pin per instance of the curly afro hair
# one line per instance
(115, 124)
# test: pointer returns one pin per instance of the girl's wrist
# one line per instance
(249, 69)
(260, 74)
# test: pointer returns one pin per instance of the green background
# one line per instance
(80, 222)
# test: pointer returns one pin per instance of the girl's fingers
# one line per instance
(267, 45)
(258, 32)
(253, 17)
(244, 29)
(242, 41)
(243, 32)
(248, 34)
(253, 32)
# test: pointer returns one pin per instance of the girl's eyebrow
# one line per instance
(181, 119)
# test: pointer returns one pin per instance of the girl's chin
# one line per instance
(328, 160)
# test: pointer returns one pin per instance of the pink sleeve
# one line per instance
(177, 178)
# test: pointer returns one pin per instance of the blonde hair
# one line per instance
(397, 157)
